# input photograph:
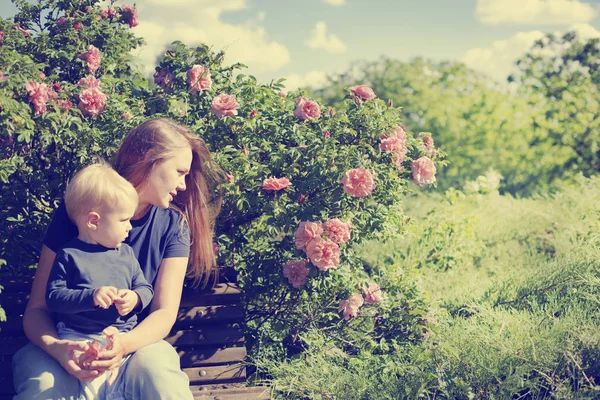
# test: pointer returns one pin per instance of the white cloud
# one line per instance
(320, 40)
(335, 3)
(498, 61)
(537, 12)
(312, 79)
(199, 21)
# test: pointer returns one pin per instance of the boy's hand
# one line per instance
(104, 296)
(126, 301)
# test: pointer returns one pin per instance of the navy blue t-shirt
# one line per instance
(154, 237)
(78, 270)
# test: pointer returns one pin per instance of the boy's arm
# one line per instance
(59, 297)
(140, 285)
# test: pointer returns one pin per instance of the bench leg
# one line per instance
(153, 372)
(37, 375)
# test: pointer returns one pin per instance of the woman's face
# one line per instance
(167, 179)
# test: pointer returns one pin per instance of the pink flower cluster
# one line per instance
(395, 141)
(358, 182)
(371, 295)
(91, 99)
(428, 143)
(363, 91)
(273, 184)
(1, 36)
(224, 105)
(108, 13)
(39, 94)
(423, 171)
(92, 56)
(306, 109)
(198, 79)
(349, 308)
(129, 15)
(296, 272)
(323, 253)
(164, 78)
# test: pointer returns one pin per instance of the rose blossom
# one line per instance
(324, 254)
(363, 91)
(307, 231)
(2, 76)
(1, 36)
(89, 81)
(326, 134)
(198, 79)
(108, 12)
(64, 104)
(129, 15)
(296, 272)
(164, 78)
(229, 178)
(92, 56)
(275, 184)
(350, 307)
(306, 109)
(337, 231)
(77, 26)
(372, 294)
(253, 114)
(358, 182)
(423, 171)
(224, 105)
(38, 94)
(281, 94)
(91, 100)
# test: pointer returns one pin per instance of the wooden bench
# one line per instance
(208, 336)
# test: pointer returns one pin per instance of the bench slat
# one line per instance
(244, 393)
(207, 336)
(217, 374)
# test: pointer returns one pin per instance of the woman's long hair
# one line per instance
(156, 140)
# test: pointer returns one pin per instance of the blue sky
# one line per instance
(304, 41)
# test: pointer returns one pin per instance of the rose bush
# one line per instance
(303, 183)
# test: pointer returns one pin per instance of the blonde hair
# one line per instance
(156, 140)
(95, 186)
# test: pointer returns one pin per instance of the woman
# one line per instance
(172, 228)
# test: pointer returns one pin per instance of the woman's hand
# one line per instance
(110, 356)
(64, 352)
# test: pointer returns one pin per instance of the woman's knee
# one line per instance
(155, 358)
(36, 375)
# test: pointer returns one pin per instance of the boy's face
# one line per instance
(114, 224)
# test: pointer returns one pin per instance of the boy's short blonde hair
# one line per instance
(94, 186)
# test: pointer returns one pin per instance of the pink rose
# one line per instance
(164, 78)
(423, 171)
(77, 26)
(252, 114)
(25, 32)
(324, 254)
(349, 308)
(358, 182)
(331, 112)
(2, 76)
(38, 94)
(362, 91)
(224, 105)
(337, 231)
(61, 21)
(306, 109)
(198, 79)
(301, 199)
(372, 294)
(306, 232)
(326, 134)
(89, 81)
(398, 130)
(92, 56)
(296, 272)
(56, 86)
(281, 94)
(392, 142)
(229, 178)
(398, 156)
(64, 104)
(1, 36)
(92, 101)
(129, 15)
(273, 184)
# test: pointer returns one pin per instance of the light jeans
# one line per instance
(152, 372)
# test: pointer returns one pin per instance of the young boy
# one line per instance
(96, 281)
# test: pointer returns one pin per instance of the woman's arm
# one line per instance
(163, 312)
(39, 327)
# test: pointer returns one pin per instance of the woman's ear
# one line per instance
(93, 218)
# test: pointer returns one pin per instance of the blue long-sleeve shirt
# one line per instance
(79, 268)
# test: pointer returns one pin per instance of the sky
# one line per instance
(305, 41)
